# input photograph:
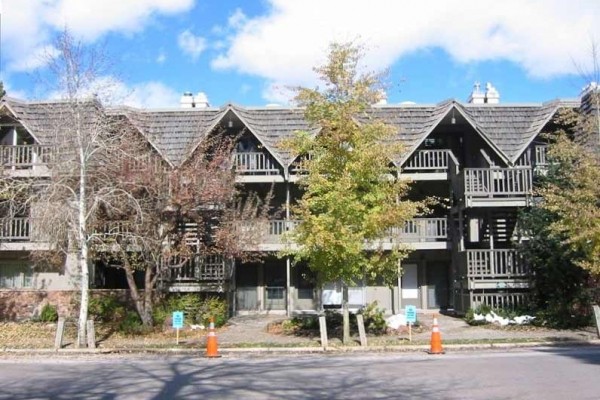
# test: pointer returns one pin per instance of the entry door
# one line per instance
(275, 287)
(437, 285)
(410, 285)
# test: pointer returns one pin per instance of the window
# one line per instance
(15, 275)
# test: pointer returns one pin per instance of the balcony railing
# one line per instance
(498, 182)
(428, 160)
(422, 230)
(205, 269)
(415, 230)
(541, 152)
(495, 264)
(24, 156)
(16, 230)
(255, 163)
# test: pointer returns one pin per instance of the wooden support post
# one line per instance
(597, 315)
(60, 332)
(345, 315)
(91, 334)
(323, 328)
(361, 330)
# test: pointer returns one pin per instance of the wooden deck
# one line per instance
(498, 187)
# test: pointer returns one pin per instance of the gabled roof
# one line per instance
(174, 131)
(272, 125)
(510, 127)
(42, 119)
(412, 122)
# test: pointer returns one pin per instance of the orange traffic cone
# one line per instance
(436, 339)
(212, 349)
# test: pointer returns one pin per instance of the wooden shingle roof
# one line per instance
(44, 119)
(412, 123)
(175, 133)
(509, 127)
(272, 125)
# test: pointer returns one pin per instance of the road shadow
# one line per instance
(195, 377)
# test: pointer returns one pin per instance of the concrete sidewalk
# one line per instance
(251, 334)
(252, 329)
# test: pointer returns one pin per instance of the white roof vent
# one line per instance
(187, 100)
(381, 98)
(201, 101)
(491, 94)
(476, 97)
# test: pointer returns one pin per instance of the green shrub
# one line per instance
(196, 310)
(213, 307)
(300, 324)
(374, 318)
(106, 309)
(131, 324)
(48, 313)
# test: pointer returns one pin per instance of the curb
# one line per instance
(303, 350)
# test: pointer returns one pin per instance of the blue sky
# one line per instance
(249, 52)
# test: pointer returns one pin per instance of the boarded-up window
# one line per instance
(15, 275)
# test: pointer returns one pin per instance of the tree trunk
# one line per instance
(148, 298)
(345, 315)
(83, 259)
(143, 303)
(85, 292)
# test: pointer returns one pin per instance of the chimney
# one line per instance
(590, 98)
(201, 101)
(476, 96)
(381, 98)
(590, 110)
(187, 100)
(491, 94)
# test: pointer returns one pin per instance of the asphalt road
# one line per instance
(543, 373)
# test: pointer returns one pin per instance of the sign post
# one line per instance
(177, 322)
(411, 318)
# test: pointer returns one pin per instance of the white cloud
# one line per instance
(112, 91)
(237, 20)
(191, 44)
(38, 57)
(542, 36)
(161, 58)
(28, 25)
(152, 95)
(91, 19)
(278, 93)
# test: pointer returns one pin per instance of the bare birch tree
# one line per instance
(65, 202)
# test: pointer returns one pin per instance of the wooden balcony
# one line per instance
(497, 187)
(211, 273)
(422, 233)
(430, 164)
(268, 236)
(495, 269)
(25, 159)
(256, 167)
(19, 234)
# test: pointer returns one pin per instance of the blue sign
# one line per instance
(178, 320)
(411, 314)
